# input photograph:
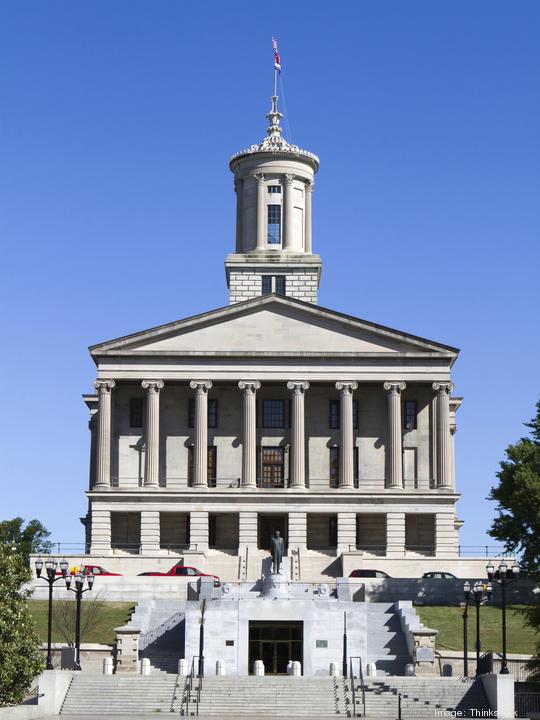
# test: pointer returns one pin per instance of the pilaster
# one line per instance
(446, 541)
(198, 530)
(346, 539)
(100, 533)
(150, 532)
(395, 534)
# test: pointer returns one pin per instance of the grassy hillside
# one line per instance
(112, 615)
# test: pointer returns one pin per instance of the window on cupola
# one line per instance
(274, 224)
(273, 284)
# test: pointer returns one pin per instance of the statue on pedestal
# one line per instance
(277, 548)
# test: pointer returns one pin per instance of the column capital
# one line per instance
(394, 387)
(297, 386)
(443, 388)
(153, 385)
(289, 177)
(259, 177)
(310, 186)
(200, 386)
(249, 386)
(104, 386)
(346, 386)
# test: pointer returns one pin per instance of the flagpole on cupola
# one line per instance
(277, 69)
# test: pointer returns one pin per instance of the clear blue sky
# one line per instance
(116, 123)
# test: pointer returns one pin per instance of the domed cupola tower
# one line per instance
(274, 183)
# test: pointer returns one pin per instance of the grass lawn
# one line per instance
(448, 621)
(113, 614)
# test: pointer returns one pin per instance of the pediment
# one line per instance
(270, 325)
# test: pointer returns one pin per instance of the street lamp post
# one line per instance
(479, 599)
(503, 576)
(50, 578)
(467, 594)
(79, 591)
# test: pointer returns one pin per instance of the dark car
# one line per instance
(437, 574)
(180, 570)
(369, 574)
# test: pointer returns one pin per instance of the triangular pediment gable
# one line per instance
(273, 325)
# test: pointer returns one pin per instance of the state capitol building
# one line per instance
(213, 431)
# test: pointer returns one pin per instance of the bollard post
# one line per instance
(107, 666)
(220, 668)
(145, 666)
(258, 668)
(183, 667)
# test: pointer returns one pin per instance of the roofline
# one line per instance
(263, 300)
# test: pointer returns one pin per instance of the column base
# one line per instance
(394, 487)
(301, 488)
(345, 486)
(199, 486)
(151, 486)
(101, 488)
(248, 486)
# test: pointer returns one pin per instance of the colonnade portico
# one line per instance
(298, 479)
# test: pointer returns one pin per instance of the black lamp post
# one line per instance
(79, 591)
(503, 576)
(50, 577)
(480, 597)
(467, 595)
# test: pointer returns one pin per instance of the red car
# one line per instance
(179, 570)
(87, 569)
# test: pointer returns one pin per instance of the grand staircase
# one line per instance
(119, 694)
(386, 645)
(270, 696)
(421, 698)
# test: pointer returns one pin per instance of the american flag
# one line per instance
(277, 62)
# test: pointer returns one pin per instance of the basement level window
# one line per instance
(229, 643)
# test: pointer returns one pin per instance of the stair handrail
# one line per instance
(151, 636)
(189, 689)
(362, 684)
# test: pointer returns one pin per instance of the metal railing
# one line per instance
(61, 548)
(430, 550)
(527, 703)
(151, 636)
(361, 687)
(196, 693)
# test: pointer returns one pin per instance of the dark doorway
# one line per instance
(275, 643)
(267, 524)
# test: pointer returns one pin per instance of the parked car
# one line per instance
(437, 574)
(179, 570)
(369, 574)
(87, 569)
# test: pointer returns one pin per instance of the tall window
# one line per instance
(273, 284)
(334, 417)
(135, 412)
(273, 414)
(212, 413)
(410, 411)
(274, 224)
(211, 467)
(273, 462)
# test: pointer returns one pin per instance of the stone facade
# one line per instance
(211, 431)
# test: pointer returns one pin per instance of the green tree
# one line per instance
(29, 539)
(518, 498)
(20, 656)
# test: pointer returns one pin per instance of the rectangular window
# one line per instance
(212, 413)
(334, 467)
(410, 414)
(136, 412)
(266, 284)
(274, 189)
(212, 530)
(273, 465)
(280, 284)
(211, 467)
(274, 224)
(334, 415)
(273, 414)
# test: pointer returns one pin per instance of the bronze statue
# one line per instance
(277, 548)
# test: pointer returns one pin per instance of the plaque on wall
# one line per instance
(425, 654)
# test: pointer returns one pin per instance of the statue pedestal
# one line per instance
(275, 586)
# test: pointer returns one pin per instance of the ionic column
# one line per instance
(394, 451)
(346, 461)
(288, 220)
(444, 471)
(103, 464)
(249, 445)
(239, 190)
(298, 449)
(307, 217)
(151, 463)
(261, 214)
(200, 451)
